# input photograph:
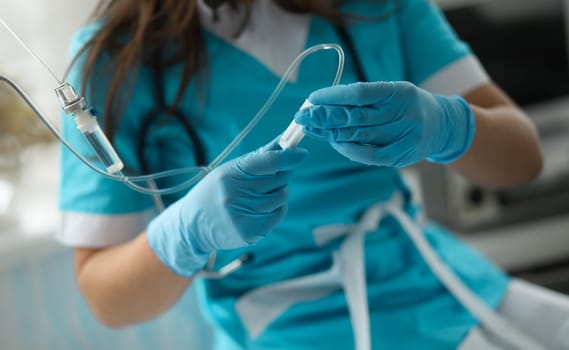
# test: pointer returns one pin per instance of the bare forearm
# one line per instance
(505, 151)
(127, 284)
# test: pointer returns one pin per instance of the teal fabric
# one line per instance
(409, 307)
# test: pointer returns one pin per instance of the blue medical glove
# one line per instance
(393, 124)
(235, 205)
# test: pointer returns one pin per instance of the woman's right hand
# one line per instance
(235, 205)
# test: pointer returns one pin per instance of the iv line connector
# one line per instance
(70, 101)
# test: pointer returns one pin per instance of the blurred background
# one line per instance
(522, 43)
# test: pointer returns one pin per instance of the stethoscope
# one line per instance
(163, 110)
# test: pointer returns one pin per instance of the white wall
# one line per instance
(46, 26)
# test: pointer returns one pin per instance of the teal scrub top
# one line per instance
(409, 308)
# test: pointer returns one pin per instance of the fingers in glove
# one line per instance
(269, 162)
(356, 94)
(262, 204)
(373, 135)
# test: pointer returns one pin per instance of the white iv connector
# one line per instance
(293, 134)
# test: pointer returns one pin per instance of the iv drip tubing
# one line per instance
(30, 51)
(199, 172)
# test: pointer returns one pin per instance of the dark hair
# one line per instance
(150, 25)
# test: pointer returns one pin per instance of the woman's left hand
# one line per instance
(393, 124)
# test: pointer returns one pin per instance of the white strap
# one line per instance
(477, 339)
(493, 322)
(351, 258)
(261, 306)
(258, 308)
(355, 287)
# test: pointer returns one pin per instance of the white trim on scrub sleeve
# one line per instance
(100, 230)
(457, 78)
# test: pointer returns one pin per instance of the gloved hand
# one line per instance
(393, 124)
(235, 205)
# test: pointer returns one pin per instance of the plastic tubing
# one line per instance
(201, 172)
(198, 172)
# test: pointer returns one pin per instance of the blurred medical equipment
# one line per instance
(88, 126)
(523, 44)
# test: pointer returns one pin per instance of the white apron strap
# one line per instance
(354, 283)
(353, 272)
(477, 339)
(494, 323)
(261, 306)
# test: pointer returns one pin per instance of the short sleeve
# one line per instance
(96, 211)
(434, 57)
